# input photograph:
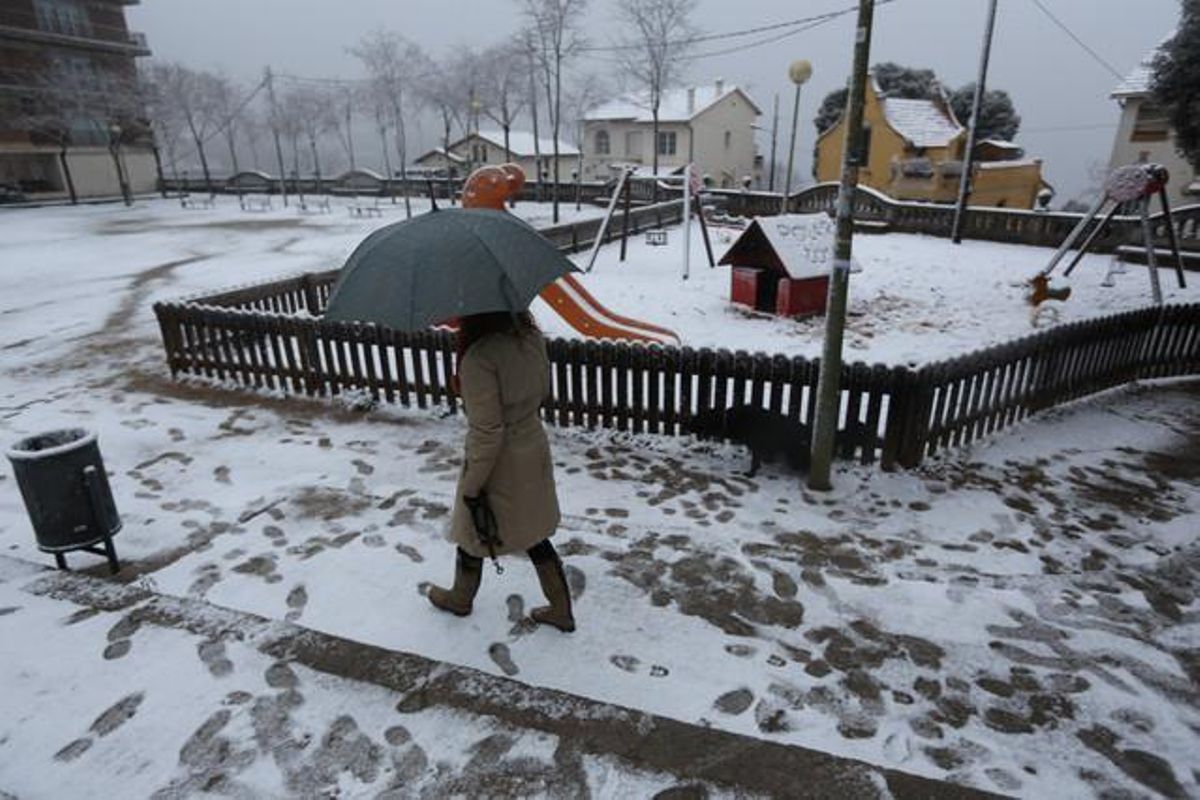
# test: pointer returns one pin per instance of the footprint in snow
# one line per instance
(297, 599)
(503, 658)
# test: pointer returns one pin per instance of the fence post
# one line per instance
(312, 300)
(916, 419)
(893, 435)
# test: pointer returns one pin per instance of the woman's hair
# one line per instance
(474, 327)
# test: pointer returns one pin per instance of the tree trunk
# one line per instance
(66, 168)
(230, 140)
(654, 144)
(350, 135)
(537, 148)
(557, 120)
(204, 163)
(446, 154)
(312, 142)
(402, 151)
(387, 164)
(162, 179)
(115, 153)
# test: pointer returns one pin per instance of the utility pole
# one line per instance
(829, 379)
(964, 181)
(275, 130)
(774, 138)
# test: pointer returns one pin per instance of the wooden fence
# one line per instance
(272, 337)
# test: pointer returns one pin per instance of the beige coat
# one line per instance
(503, 379)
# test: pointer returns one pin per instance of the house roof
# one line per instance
(521, 143)
(925, 123)
(1137, 82)
(672, 107)
(437, 151)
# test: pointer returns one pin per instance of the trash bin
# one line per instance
(62, 480)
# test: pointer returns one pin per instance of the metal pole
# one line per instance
(964, 181)
(687, 220)
(774, 138)
(275, 130)
(787, 179)
(829, 379)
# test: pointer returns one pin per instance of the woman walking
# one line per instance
(506, 500)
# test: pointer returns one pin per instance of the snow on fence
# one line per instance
(1014, 226)
(271, 336)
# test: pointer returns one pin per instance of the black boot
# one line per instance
(468, 571)
(554, 585)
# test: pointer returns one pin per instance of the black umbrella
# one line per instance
(412, 274)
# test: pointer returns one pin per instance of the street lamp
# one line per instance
(799, 72)
(114, 148)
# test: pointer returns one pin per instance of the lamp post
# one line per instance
(799, 72)
(114, 148)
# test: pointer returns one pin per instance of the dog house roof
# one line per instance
(798, 246)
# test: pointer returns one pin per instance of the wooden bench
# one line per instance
(255, 202)
(360, 207)
(318, 204)
(194, 203)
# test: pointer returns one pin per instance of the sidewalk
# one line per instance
(170, 697)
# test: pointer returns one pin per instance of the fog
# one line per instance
(1062, 94)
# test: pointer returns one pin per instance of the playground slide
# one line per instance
(584, 313)
(491, 187)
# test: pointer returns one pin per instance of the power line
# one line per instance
(728, 35)
(1100, 60)
(1084, 127)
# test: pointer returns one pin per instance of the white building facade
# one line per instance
(1145, 135)
(710, 126)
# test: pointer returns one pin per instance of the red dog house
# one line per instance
(781, 264)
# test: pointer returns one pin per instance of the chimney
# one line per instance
(691, 101)
(720, 87)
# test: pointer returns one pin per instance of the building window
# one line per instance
(63, 16)
(728, 140)
(633, 144)
(602, 143)
(1152, 124)
(666, 143)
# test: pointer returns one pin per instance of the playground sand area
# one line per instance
(1018, 616)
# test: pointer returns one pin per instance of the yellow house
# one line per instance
(915, 150)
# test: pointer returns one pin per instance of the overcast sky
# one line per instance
(1053, 82)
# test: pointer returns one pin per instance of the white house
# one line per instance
(486, 147)
(708, 125)
(1145, 135)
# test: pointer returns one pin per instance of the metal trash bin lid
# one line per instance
(50, 444)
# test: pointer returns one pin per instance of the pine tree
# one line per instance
(998, 119)
(1176, 83)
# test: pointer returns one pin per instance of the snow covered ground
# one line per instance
(1018, 617)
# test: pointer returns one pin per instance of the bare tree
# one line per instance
(377, 104)
(315, 115)
(164, 118)
(555, 26)
(226, 101)
(656, 38)
(504, 76)
(190, 93)
(288, 120)
(393, 63)
(442, 91)
(344, 104)
(584, 95)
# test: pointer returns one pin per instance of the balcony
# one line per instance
(24, 27)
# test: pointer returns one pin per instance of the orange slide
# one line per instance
(491, 187)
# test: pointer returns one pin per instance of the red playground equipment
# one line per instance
(492, 187)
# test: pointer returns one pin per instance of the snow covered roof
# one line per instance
(521, 143)
(673, 106)
(1137, 82)
(923, 122)
(437, 151)
(1015, 162)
